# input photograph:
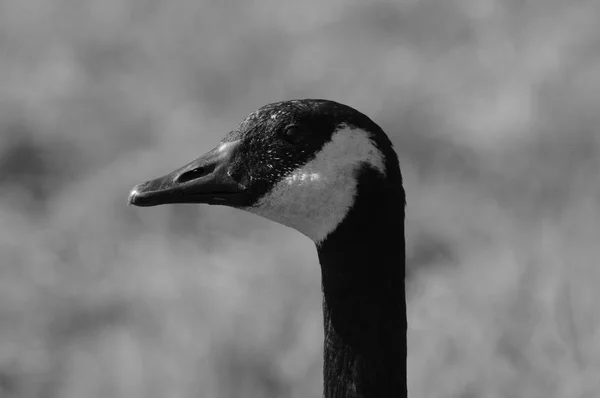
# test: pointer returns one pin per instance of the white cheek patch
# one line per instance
(316, 197)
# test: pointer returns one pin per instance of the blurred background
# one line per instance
(493, 107)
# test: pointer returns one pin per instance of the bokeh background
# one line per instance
(493, 107)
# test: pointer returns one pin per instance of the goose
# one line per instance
(330, 172)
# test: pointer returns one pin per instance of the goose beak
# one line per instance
(204, 180)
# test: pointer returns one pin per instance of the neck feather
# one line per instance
(364, 305)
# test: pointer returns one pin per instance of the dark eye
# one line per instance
(294, 134)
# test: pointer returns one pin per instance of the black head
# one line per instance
(295, 162)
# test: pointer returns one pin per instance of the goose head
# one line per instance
(298, 163)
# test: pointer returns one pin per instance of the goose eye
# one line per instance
(294, 134)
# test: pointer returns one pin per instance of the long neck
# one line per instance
(364, 305)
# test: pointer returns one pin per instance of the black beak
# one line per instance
(205, 180)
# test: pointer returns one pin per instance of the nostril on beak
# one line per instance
(194, 174)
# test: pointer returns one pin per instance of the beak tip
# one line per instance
(131, 199)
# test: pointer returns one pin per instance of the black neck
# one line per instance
(364, 305)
